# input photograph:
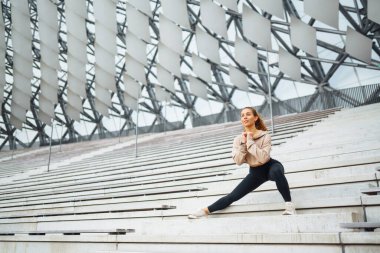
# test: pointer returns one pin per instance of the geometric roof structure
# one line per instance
(71, 66)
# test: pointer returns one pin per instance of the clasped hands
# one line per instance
(246, 135)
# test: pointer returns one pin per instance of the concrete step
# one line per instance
(243, 243)
(283, 157)
(127, 175)
(118, 251)
(265, 224)
(187, 206)
(252, 203)
(183, 147)
(310, 151)
(214, 184)
(372, 210)
(169, 156)
(346, 159)
(137, 183)
(324, 239)
(83, 210)
(338, 134)
(102, 151)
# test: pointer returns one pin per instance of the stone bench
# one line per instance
(165, 173)
(102, 195)
(85, 185)
(366, 226)
(301, 183)
(372, 191)
(132, 173)
(325, 222)
(191, 141)
(227, 150)
(193, 149)
(183, 206)
(304, 207)
(118, 231)
(101, 209)
(242, 243)
(69, 168)
(166, 177)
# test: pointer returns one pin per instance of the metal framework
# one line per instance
(315, 71)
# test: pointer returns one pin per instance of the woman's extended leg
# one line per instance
(253, 180)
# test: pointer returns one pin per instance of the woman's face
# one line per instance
(247, 118)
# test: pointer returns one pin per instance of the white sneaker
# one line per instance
(198, 214)
(289, 209)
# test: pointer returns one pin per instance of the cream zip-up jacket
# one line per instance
(255, 152)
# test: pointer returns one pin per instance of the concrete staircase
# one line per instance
(330, 157)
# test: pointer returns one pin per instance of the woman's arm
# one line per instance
(239, 151)
(261, 154)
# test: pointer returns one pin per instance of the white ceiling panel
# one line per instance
(165, 78)
(358, 45)
(198, 88)
(142, 5)
(230, 4)
(207, 45)
(136, 48)
(325, 11)
(201, 68)
(246, 55)
(130, 101)
(135, 69)
(274, 7)
(256, 28)
(303, 36)
(176, 10)
(161, 94)
(138, 23)
(171, 35)
(289, 65)
(374, 10)
(213, 17)
(169, 59)
(239, 79)
(132, 87)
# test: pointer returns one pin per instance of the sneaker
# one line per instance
(289, 209)
(198, 214)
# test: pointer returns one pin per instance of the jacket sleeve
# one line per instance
(239, 152)
(261, 154)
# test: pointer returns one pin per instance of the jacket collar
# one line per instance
(262, 133)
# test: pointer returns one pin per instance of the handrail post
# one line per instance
(51, 137)
(270, 95)
(137, 128)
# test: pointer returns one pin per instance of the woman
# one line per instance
(253, 147)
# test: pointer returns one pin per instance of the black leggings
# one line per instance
(272, 170)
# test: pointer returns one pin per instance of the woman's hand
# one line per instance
(244, 137)
(250, 135)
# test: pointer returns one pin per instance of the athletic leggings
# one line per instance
(272, 170)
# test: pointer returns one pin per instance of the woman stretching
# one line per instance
(253, 147)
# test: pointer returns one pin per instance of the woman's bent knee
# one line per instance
(276, 171)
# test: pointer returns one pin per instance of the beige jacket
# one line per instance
(255, 152)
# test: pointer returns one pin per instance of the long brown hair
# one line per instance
(259, 124)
